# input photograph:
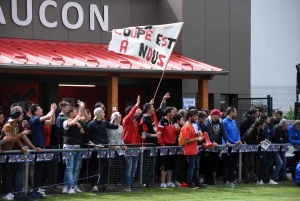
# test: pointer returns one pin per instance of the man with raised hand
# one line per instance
(131, 136)
(37, 123)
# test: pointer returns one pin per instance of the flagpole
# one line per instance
(162, 75)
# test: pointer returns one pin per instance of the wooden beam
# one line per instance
(202, 94)
(112, 95)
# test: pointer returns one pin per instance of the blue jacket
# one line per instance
(297, 174)
(294, 136)
(231, 131)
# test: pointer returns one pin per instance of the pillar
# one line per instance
(112, 95)
(202, 94)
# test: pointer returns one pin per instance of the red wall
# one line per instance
(7, 89)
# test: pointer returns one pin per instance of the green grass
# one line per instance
(286, 191)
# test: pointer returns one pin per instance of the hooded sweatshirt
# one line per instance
(168, 132)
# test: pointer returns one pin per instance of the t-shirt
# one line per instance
(188, 132)
(37, 132)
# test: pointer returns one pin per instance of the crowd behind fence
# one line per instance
(146, 154)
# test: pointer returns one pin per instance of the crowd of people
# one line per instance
(73, 127)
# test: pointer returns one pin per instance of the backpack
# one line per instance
(181, 140)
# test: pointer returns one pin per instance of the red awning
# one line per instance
(65, 55)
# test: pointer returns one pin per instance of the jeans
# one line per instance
(39, 168)
(10, 170)
(282, 171)
(229, 166)
(193, 169)
(263, 168)
(275, 157)
(94, 169)
(72, 166)
(131, 165)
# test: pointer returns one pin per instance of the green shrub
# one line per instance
(290, 115)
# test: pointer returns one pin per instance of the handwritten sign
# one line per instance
(153, 44)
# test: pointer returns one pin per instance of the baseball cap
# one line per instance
(14, 115)
(97, 111)
(216, 112)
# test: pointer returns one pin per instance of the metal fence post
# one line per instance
(141, 166)
(240, 166)
(269, 106)
(26, 177)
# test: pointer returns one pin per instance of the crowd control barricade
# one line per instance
(146, 153)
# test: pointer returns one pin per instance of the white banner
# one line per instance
(153, 44)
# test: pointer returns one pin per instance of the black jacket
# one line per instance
(246, 123)
(253, 136)
(213, 136)
(273, 123)
(97, 132)
(147, 125)
(279, 133)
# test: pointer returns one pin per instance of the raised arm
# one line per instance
(49, 115)
(130, 115)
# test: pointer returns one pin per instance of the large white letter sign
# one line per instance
(94, 12)
(14, 11)
(65, 15)
(42, 13)
(2, 19)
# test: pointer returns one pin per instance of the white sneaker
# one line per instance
(65, 190)
(127, 189)
(42, 191)
(272, 182)
(11, 195)
(95, 188)
(71, 191)
(259, 182)
(170, 184)
(177, 184)
(7, 197)
(77, 190)
(163, 185)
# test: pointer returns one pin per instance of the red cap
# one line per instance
(215, 112)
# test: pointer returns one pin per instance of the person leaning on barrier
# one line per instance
(37, 123)
(97, 135)
(191, 150)
(234, 137)
(280, 135)
(115, 137)
(168, 138)
(255, 135)
(11, 131)
(216, 132)
(131, 136)
(266, 155)
(247, 120)
(294, 138)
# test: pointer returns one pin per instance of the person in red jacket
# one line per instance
(168, 138)
(131, 136)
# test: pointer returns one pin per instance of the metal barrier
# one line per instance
(147, 154)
